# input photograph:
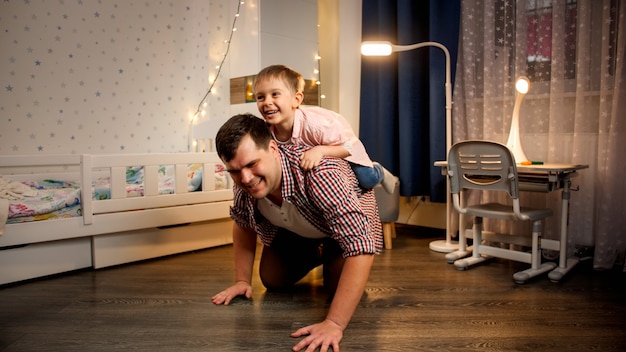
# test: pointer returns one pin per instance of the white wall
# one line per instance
(340, 39)
(245, 51)
(289, 35)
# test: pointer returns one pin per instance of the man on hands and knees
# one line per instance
(303, 218)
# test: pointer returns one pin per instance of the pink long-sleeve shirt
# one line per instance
(313, 126)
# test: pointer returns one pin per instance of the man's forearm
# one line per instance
(244, 247)
(354, 277)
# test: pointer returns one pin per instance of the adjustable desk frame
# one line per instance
(538, 178)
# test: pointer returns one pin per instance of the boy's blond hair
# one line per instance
(293, 80)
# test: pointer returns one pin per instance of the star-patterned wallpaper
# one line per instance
(102, 76)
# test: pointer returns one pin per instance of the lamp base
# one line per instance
(443, 246)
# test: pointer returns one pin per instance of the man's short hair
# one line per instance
(230, 134)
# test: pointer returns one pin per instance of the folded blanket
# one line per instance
(14, 190)
(11, 190)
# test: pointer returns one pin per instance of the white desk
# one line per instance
(547, 177)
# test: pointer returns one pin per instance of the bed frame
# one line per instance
(117, 230)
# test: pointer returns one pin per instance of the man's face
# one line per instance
(255, 170)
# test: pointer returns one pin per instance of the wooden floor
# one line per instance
(415, 301)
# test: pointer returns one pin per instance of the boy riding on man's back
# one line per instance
(278, 91)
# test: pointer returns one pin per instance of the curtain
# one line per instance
(402, 117)
(573, 52)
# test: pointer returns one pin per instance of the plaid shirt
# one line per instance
(328, 196)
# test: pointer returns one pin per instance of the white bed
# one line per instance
(120, 229)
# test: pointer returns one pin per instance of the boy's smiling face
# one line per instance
(276, 102)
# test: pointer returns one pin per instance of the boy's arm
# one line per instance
(311, 158)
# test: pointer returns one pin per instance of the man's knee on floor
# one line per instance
(276, 286)
(274, 281)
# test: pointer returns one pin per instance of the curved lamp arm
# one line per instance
(384, 48)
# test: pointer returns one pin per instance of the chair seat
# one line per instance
(505, 212)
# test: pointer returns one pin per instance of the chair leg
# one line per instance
(536, 267)
(476, 257)
(478, 236)
(463, 251)
(389, 232)
(535, 257)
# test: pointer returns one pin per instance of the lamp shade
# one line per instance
(522, 85)
(376, 48)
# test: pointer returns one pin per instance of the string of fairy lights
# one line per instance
(203, 102)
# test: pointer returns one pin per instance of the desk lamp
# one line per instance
(522, 85)
(384, 48)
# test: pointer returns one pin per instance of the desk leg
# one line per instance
(565, 264)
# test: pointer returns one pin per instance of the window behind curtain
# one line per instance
(539, 35)
(539, 25)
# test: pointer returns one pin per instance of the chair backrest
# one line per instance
(482, 165)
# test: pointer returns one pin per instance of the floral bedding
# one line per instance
(50, 199)
(53, 199)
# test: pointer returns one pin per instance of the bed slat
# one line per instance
(208, 183)
(181, 178)
(118, 182)
(86, 175)
(151, 180)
